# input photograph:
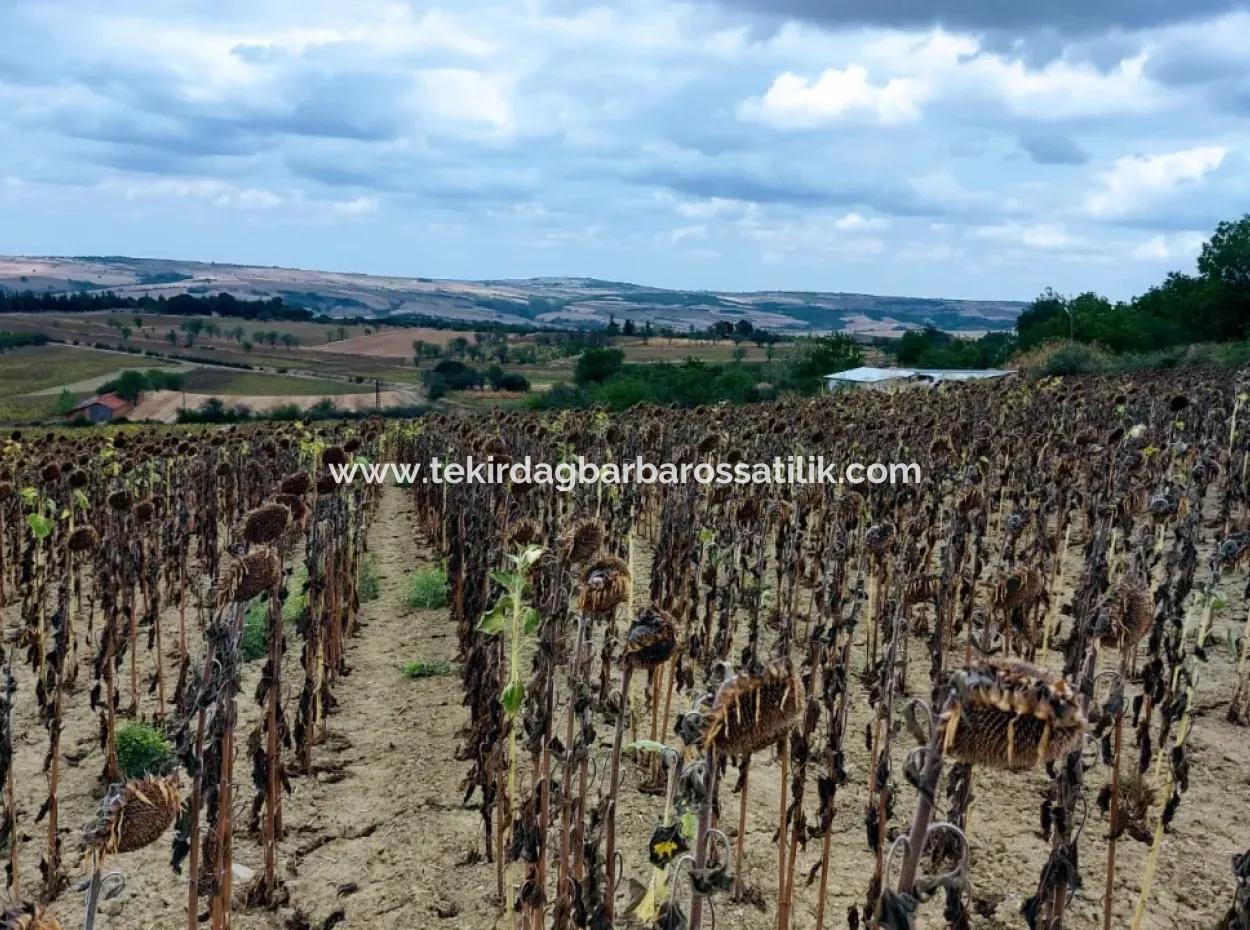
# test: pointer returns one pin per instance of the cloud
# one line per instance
(1042, 237)
(1063, 16)
(792, 144)
(1047, 148)
(913, 73)
(1135, 181)
(460, 94)
(795, 103)
(1163, 248)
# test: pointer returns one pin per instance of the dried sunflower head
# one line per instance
(523, 533)
(333, 455)
(651, 640)
(296, 483)
(1011, 715)
(753, 711)
(266, 523)
(258, 571)
(1126, 613)
(604, 584)
(133, 815)
(582, 540)
(28, 917)
(83, 539)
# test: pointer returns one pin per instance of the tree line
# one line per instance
(226, 305)
(1211, 305)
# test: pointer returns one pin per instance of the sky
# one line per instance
(957, 148)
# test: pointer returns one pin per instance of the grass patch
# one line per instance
(296, 604)
(420, 669)
(368, 584)
(255, 641)
(427, 589)
(141, 749)
(39, 368)
(224, 381)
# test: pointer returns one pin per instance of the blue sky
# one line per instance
(971, 148)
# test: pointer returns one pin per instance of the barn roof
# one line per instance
(869, 375)
(112, 401)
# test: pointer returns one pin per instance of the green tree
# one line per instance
(130, 385)
(595, 366)
(1225, 257)
(820, 356)
(65, 402)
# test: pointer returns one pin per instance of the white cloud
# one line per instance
(712, 208)
(209, 190)
(857, 222)
(1043, 237)
(1061, 89)
(793, 102)
(687, 233)
(818, 237)
(931, 67)
(1136, 180)
(1163, 248)
(462, 94)
(357, 206)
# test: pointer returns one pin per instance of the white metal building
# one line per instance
(885, 379)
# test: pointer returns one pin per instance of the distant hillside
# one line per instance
(571, 302)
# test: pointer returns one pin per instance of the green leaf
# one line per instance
(689, 825)
(646, 745)
(706, 535)
(493, 622)
(40, 525)
(508, 580)
(29, 496)
(81, 500)
(531, 620)
(513, 698)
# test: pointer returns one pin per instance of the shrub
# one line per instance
(141, 749)
(421, 669)
(598, 365)
(427, 589)
(369, 585)
(1064, 358)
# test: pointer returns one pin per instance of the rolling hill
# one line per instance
(555, 301)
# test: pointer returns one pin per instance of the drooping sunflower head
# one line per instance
(28, 917)
(83, 539)
(753, 711)
(134, 815)
(266, 523)
(604, 585)
(258, 571)
(582, 539)
(1011, 715)
(651, 640)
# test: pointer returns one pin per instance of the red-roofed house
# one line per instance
(101, 409)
